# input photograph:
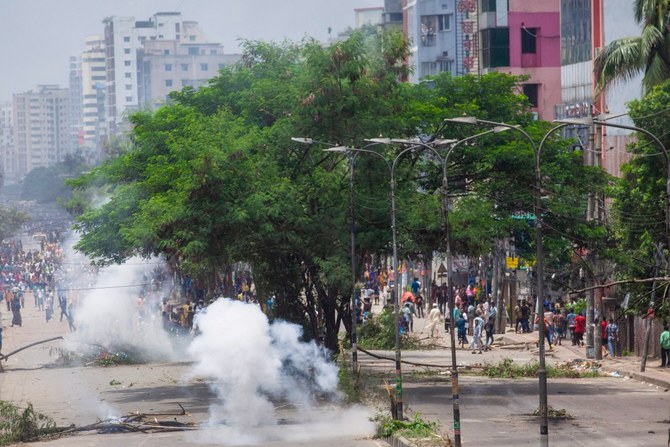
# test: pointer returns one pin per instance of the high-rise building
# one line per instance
(75, 102)
(94, 94)
(42, 130)
(6, 137)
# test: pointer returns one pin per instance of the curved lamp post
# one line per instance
(542, 369)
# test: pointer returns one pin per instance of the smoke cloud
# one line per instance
(254, 366)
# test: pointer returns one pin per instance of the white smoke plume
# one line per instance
(254, 365)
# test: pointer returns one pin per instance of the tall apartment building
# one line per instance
(75, 102)
(392, 16)
(6, 136)
(42, 129)
(94, 94)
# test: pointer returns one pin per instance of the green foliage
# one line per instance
(379, 333)
(22, 425)
(624, 58)
(48, 184)
(507, 369)
(11, 220)
(640, 204)
(416, 427)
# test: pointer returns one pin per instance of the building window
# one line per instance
(184, 67)
(191, 38)
(129, 99)
(166, 52)
(186, 82)
(128, 75)
(204, 67)
(176, 27)
(126, 51)
(495, 47)
(193, 51)
(444, 22)
(168, 82)
(212, 51)
(129, 87)
(488, 6)
(221, 66)
(428, 26)
(168, 67)
(126, 38)
(126, 63)
(531, 92)
(529, 40)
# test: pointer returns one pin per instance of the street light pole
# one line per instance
(396, 302)
(537, 209)
(447, 240)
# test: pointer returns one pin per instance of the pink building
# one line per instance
(524, 40)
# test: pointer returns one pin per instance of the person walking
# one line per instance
(665, 347)
(433, 322)
(478, 326)
(612, 337)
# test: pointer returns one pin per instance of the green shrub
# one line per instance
(17, 425)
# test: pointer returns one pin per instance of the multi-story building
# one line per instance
(587, 27)
(94, 94)
(6, 137)
(392, 16)
(170, 65)
(431, 28)
(182, 43)
(523, 38)
(42, 129)
(75, 103)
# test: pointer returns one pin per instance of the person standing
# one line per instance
(612, 337)
(461, 324)
(419, 306)
(478, 326)
(665, 347)
(580, 328)
(434, 318)
(488, 327)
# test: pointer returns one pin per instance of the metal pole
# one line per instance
(396, 304)
(455, 398)
(354, 342)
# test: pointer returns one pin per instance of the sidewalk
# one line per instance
(628, 366)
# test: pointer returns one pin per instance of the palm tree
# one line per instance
(648, 53)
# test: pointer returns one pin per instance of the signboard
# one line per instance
(512, 263)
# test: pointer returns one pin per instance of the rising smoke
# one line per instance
(254, 366)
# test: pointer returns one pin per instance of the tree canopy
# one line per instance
(213, 178)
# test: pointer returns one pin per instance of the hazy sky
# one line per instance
(38, 36)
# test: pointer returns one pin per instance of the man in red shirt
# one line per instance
(580, 328)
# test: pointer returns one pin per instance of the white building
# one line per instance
(94, 93)
(42, 129)
(6, 137)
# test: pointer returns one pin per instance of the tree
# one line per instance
(648, 53)
(640, 200)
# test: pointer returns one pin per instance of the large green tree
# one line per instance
(648, 53)
(213, 178)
